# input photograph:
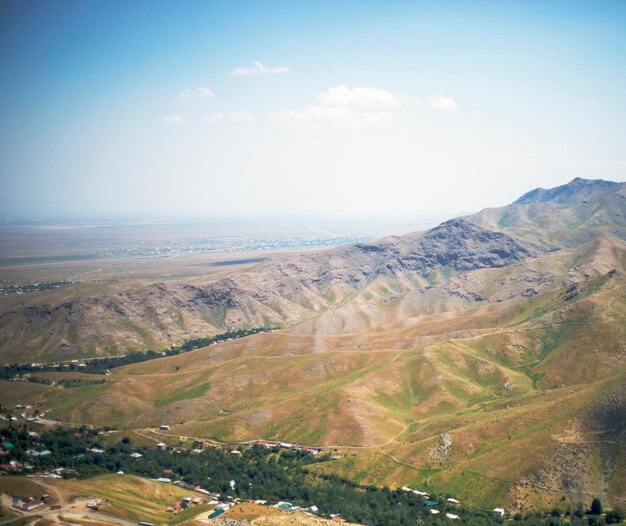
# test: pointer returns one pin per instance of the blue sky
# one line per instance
(353, 108)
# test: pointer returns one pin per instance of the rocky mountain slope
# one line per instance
(565, 215)
(280, 292)
(514, 401)
(288, 290)
(484, 363)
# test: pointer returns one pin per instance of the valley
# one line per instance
(483, 358)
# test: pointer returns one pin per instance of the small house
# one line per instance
(31, 504)
(499, 512)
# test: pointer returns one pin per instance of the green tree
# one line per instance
(596, 507)
(615, 516)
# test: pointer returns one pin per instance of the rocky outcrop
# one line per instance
(277, 292)
(464, 246)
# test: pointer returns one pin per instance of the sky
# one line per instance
(333, 109)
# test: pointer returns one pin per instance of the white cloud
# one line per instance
(343, 96)
(173, 119)
(340, 104)
(189, 94)
(258, 68)
(239, 116)
(216, 118)
(318, 113)
(440, 102)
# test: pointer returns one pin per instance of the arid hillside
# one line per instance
(277, 293)
(465, 360)
(508, 401)
(565, 215)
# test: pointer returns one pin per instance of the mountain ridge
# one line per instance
(277, 292)
(567, 215)
(478, 363)
(290, 289)
(564, 192)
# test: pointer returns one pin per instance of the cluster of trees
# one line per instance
(576, 516)
(100, 366)
(259, 473)
(78, 382)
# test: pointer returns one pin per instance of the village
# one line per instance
(30, 461)
(211, 479)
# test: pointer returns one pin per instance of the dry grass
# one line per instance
(504, 379)
(123, 496)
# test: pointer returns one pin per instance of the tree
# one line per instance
(596, 507)
(615, 516)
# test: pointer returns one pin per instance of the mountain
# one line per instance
(515, 401)
(483, 359)
(290, 289)
(565, 215)
(576, 190)
(280, 292)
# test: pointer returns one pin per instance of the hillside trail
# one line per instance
(55, 492)
(216, 442)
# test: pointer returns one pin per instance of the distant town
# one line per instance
(6, 287)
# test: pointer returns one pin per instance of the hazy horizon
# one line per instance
(351, 110)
